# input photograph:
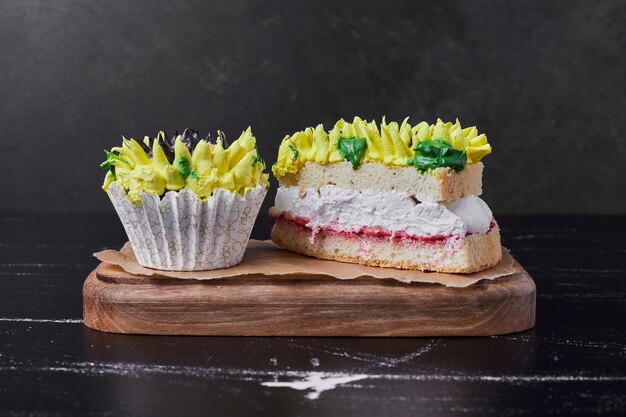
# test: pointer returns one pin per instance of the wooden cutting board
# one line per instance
(305, 305)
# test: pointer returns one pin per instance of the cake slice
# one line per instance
(396, 196)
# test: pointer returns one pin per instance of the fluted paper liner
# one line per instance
(267, 259)
(179, 232)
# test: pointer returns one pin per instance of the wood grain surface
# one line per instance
(260, 305)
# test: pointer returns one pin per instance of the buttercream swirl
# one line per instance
(152, 166)
(392, 144)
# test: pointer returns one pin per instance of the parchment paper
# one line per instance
(265, 258)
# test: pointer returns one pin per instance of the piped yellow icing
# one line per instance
(391, 144)
(237, 168)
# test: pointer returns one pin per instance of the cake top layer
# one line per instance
(425, 146)
(440, 185)
(170, 163)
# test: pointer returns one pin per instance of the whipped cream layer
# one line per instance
(340, 209)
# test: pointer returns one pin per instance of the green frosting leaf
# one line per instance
(111, 158)
(352, 149)
(109, 164)
(257, 158)
(295, 151)
(436, 154)
(109, 161)
(184, 166)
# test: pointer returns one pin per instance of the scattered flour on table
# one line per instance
(316, 382)
(29, 320)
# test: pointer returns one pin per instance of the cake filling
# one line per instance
(383, 213)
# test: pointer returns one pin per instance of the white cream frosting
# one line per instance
(392, 211)
(474, 212)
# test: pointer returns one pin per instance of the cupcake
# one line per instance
(187, 203)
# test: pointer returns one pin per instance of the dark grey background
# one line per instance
(545, 80)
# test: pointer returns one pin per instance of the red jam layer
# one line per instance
(369, 231)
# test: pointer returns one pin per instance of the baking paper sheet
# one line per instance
(265, 258)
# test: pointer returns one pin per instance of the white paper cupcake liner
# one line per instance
(179, 232)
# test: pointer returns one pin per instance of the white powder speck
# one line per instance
(28, 320)
(316, 382)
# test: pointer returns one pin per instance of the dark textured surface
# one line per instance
(572, 363)
(76, 75)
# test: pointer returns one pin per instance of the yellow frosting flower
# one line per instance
(185, 161)
(393, 144)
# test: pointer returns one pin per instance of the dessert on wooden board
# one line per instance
(393, 195)
(390, 195)
(187, 203)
